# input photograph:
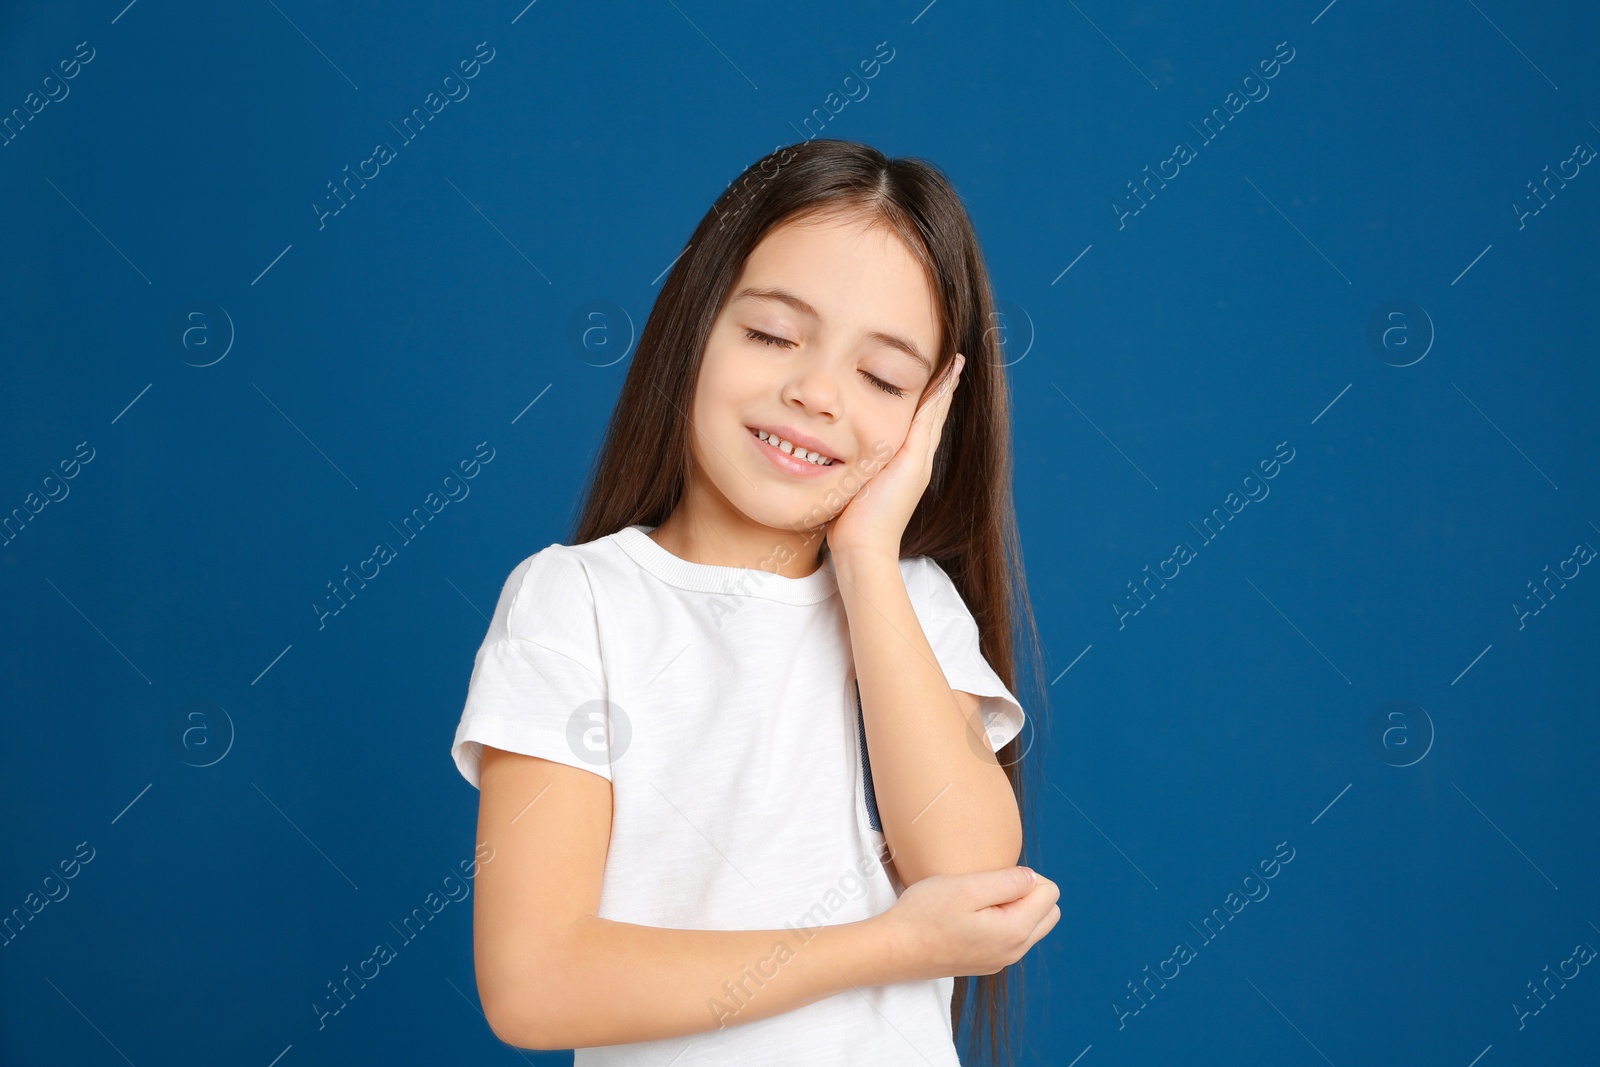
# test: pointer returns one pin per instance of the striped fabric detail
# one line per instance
(866, 766)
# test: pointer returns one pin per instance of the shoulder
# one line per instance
(554, 580)
(568, 566)
(574, 577)
(556, 563)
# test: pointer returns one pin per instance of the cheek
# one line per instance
(898, 428)
(881, 439)
(714, 392)
(728, 382)
(717, 411)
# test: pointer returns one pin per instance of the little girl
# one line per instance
(746, 765)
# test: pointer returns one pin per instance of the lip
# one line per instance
(784, 461)
(795, 437)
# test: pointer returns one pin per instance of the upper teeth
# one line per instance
(810, 457)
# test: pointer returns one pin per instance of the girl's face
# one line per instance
(827, 340)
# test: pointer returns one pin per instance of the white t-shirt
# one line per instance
(736, 753)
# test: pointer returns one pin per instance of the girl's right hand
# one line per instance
(947, 925)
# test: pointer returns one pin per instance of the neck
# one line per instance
(741, 543)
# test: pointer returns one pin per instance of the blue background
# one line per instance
(160, 616)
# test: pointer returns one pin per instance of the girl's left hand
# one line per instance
(874, 520)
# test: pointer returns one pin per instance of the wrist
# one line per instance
(853, 563)
(888, 956)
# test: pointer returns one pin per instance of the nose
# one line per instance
(814, 386)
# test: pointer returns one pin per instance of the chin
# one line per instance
(805, 513)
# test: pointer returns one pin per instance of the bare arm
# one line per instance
(553, 975)
(946, 803)
(608, 982)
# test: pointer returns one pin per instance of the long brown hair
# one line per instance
(966, 520)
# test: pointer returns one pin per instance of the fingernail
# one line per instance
(1032, 875)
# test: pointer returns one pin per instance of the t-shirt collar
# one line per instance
(814, 588)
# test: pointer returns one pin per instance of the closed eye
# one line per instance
(765, 338)
(768, 339)
(893, 390)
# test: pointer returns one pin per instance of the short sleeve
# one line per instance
(538, 684)
(953, 633)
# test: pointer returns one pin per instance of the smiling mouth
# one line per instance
(794, 453)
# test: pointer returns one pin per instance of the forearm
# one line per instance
(614, 983)
(946, 804)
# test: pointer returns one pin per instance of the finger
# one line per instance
(1028, 907)
(928, 415)
(946, 380)
(952, 378)
(952, 374)
(933, 399)
(1005, 886)
(935, 403)
(1046, 924)
(927, 422)
(945, 397)
(957, 365)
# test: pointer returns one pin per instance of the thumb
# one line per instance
(1002, 886)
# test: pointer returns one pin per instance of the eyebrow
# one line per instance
(786, 297)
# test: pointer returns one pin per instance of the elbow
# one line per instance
(521, 1008)
(1002, 848)
(1006, 854)
(523, 1028)
(1014, 846)
(532, 993)
(965, 861)
(1011, 839)
(989, 851)
(510, 1021)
